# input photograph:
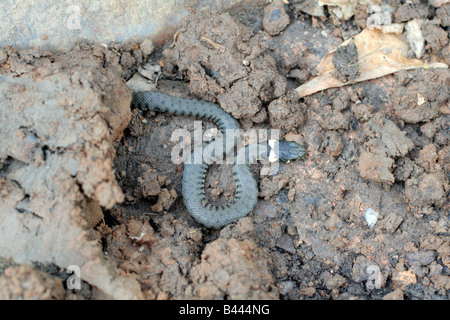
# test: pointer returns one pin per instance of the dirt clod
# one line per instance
(346, 62)
(23, 282)
(275, 18)
(418, 98)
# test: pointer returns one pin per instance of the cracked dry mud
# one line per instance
(381, 145)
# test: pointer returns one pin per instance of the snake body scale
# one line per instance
(193, 182)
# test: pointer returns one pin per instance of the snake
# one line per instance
(193, 181)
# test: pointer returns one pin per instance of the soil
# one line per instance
(346, 63)
(378, 146)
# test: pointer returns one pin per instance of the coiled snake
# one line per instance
(193, 183)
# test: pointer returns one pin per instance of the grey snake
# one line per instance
(193, 183)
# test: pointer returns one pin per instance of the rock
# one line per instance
(266, 210)
(139, 83)
(423, 257)
(441, 281)
(428, 158)
(309, 291)
(284, 114)
(24, 283)
(397, 294)
(443, 13)
(436, 38)
(429, 129)
(300, 75)
(333, 143)
(427, 189)
(362, 111)
(371, 217)
(58, 25)
(435, 268)
(437, 3)
(272, 185)
(241, 101)
(285, 287)
(63, 140)
(275, 18)
(346, 63)
(407, 12)
(291, 195)
(385, 138)
(151, 71)
(147, 47)
(243, 229)
(379, 16)
(376, 167)
(3, 56)
(333, 222)
(342, 101)
(391, 222)
(419, 95)
(127, 60)
(404, 168)
(166, 199)
(285, 243)
(402, 279)
(233, 268)
(312, 8)
(414, 36)
(360, 273)
(385, 142)
(335, 120)
(442, 226)
(335, 282)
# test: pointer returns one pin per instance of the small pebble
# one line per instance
(147, 47)
(371, 217)
(285, 287)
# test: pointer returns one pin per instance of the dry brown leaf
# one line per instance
(379, 54)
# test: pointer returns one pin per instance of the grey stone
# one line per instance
(423, 257)
(285, 287)
(58, 24)
(285, 243)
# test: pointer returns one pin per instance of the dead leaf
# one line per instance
(379, 54)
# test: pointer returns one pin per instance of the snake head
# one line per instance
(287, 151)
